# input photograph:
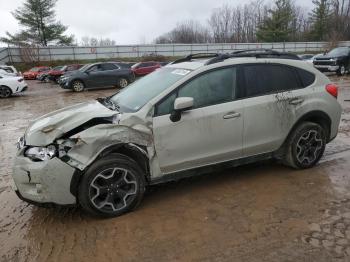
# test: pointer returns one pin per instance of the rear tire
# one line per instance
(305, 146)
(112, 186)
(5, 92)
(123, 82)
(78, 86)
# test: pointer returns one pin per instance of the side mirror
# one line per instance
(181, 104)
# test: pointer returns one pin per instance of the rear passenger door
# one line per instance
(110, 74)
(271, 94)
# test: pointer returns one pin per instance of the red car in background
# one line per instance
(144, 68)
(34, 72)
(55, 73)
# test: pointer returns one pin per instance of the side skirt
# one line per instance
(210, 168)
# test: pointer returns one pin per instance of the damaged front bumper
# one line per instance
(43, 182)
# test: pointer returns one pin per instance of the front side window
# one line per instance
(211, 88)
(7, 69)
(261, 79)
(94, 68)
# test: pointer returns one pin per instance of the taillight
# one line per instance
(20, 80)
(332, 89)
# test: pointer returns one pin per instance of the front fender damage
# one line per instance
(91, 142)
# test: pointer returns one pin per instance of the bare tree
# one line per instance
(187, 32)
(340, 20)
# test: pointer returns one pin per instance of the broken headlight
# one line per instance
(41, 153)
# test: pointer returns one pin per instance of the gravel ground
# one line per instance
(259, 212)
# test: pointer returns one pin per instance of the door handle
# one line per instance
(231, 115)
(296, 101)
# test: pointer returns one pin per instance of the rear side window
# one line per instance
(306, 77)
(263, 79)
(109, 66)
(7, 69)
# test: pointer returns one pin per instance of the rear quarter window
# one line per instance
(306, 78)
(261, 79)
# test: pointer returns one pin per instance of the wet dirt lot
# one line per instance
(260, 212)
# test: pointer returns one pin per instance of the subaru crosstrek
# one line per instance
(190, 117)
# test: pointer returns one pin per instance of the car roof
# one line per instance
(200, 64)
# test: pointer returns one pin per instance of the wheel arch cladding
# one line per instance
(77, 79)
(318, 117)
(137, 153)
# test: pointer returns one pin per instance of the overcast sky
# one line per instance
(125, 21)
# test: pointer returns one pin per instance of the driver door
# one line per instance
(96, 76)
(210, 132)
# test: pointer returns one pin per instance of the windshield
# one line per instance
(341, 51)
(305, 57)
(83, 68)
(35, 69)
(135, 65)
(132, 98)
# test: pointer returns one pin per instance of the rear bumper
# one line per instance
(20, 88)
(24, 88)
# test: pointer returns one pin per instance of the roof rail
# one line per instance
(258, 53)
(263, 53)
(195, 56)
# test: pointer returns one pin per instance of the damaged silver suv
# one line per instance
(197, 114)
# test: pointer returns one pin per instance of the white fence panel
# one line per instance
(14, 54)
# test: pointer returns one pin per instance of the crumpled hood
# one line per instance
(46, 129)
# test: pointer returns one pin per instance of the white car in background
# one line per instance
(6, 70)
(309, 58)
(10, 85)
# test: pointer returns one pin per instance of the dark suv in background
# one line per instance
(337, 60)
(98, 75)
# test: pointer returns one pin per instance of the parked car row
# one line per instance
(337, 60)
(97, 75)
(55, 73)
(79, 77)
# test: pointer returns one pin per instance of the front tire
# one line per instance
(112, 186)
(5, 92)
(46, 79)
(305, 146)
(341, 71)
(78, 86)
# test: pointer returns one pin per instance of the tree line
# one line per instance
(255, 21)
(267, 21)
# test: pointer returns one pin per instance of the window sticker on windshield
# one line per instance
(181, 72)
